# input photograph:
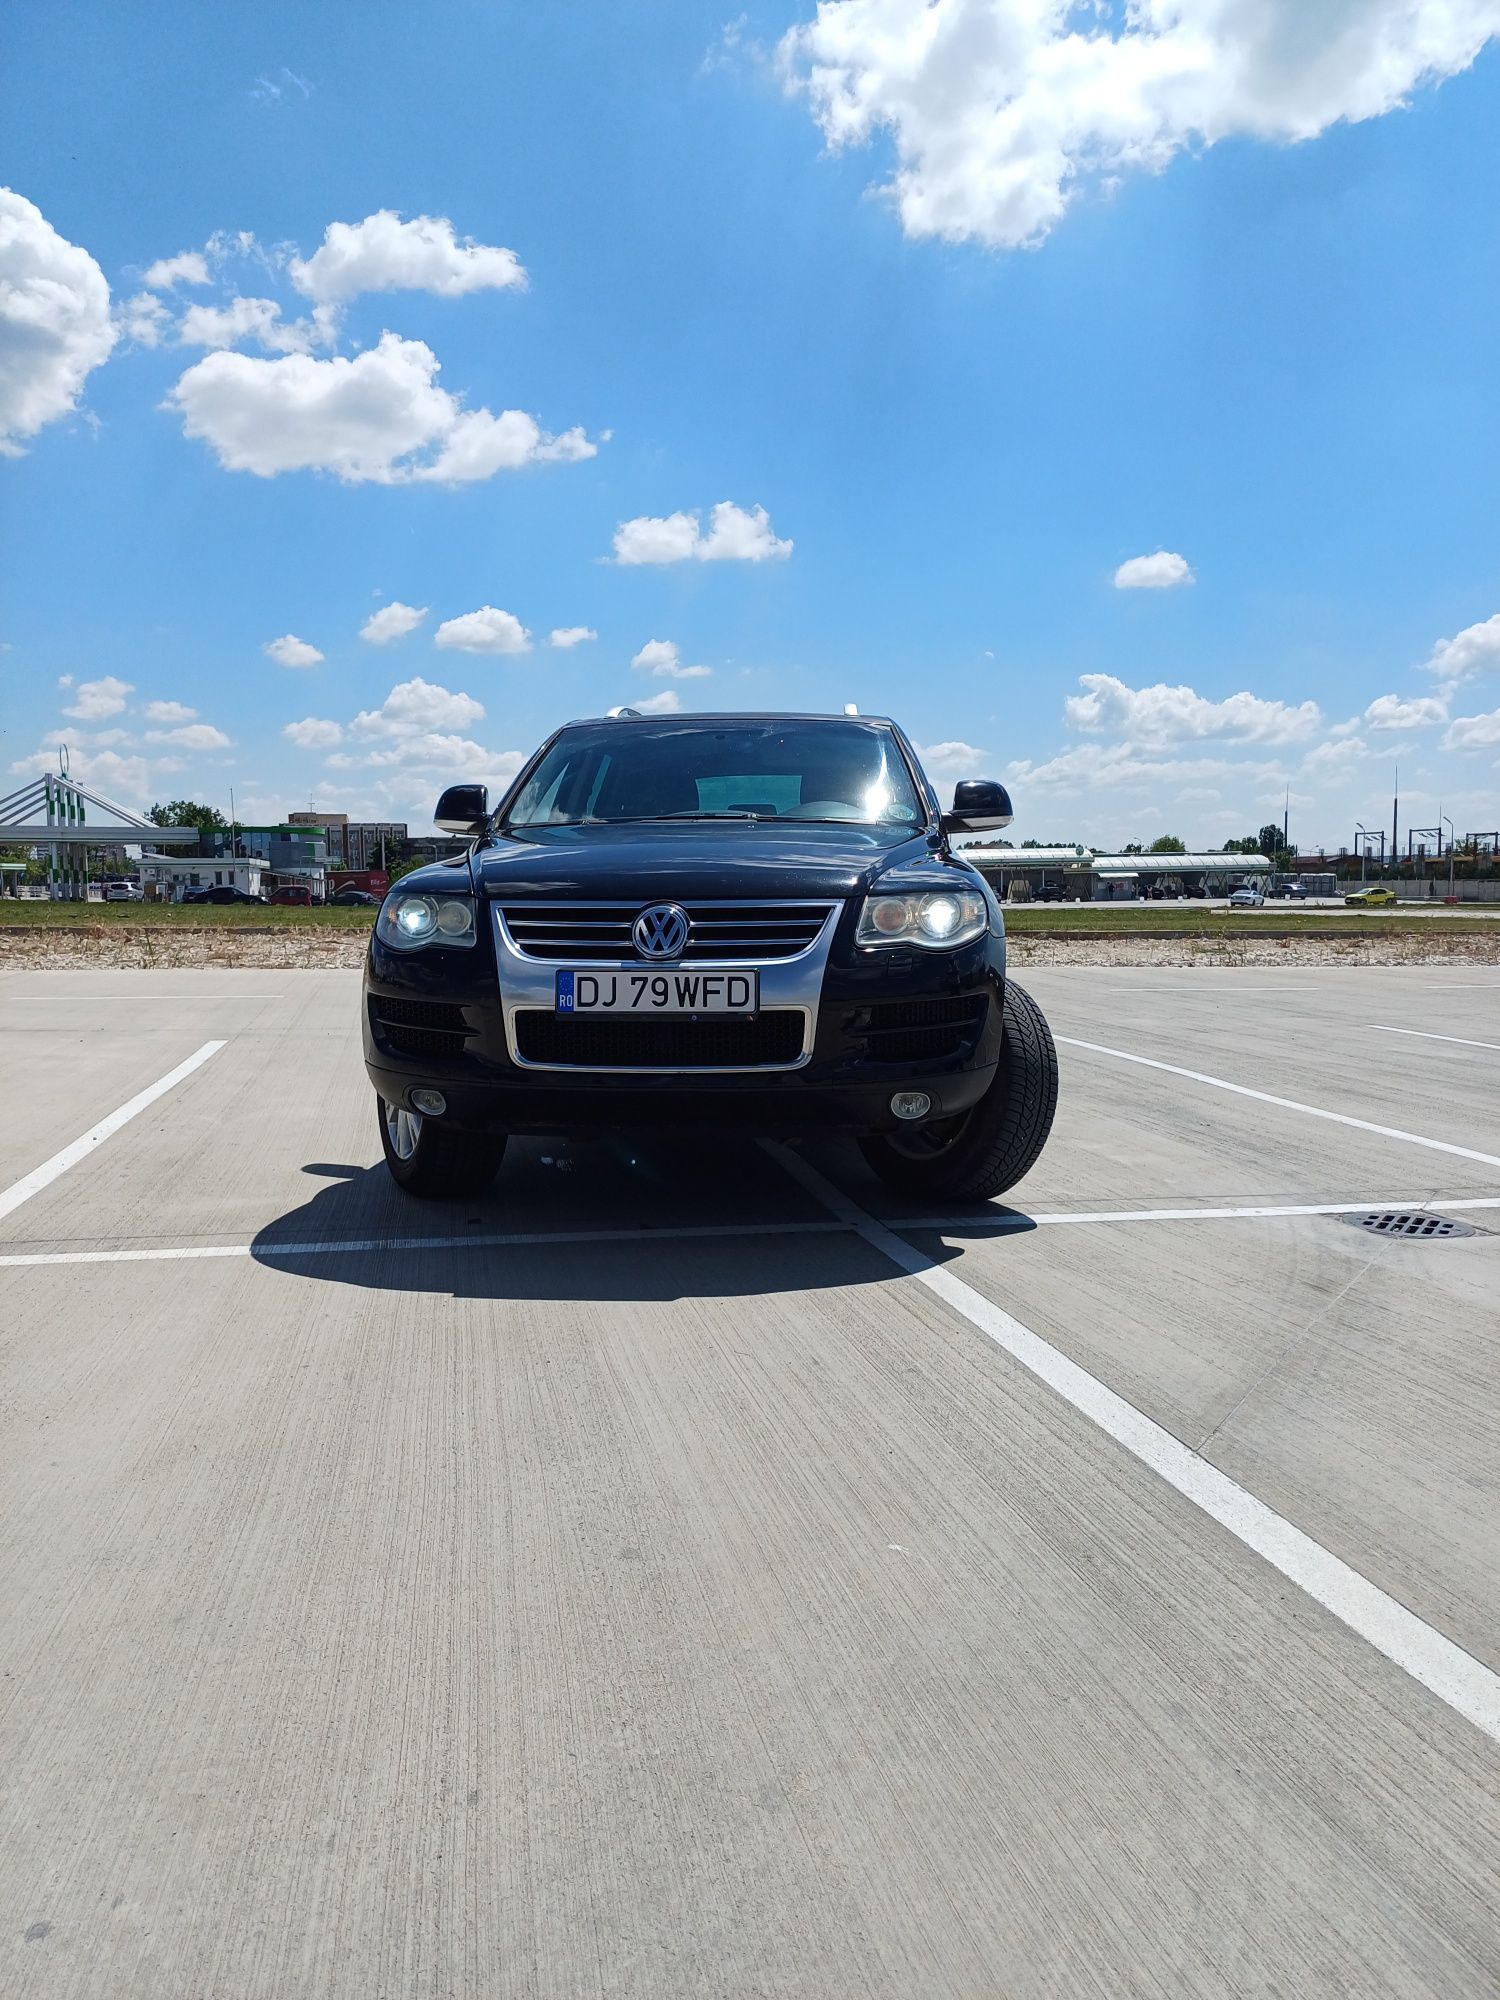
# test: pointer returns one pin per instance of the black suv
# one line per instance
(724, 921)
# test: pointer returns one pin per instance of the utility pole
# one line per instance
(1395, 810)
(1451, 844)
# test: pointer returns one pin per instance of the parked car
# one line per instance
(121, 891)
(741, 922)
(354, 899)
(295, 895)
(1248, 896)
(1288, 892)
(221, 892)
(1378, 894)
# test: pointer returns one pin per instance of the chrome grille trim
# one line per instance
(743, 932)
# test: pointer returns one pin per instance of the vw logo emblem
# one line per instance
(661, 931)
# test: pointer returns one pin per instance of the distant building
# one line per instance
(354, 844)
(168, 877)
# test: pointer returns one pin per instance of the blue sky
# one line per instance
(1247, 324)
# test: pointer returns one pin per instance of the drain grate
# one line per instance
(1409, 1222)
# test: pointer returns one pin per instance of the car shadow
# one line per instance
(631, 1218)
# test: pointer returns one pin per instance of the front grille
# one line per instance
(419, 1027)
(574, 933)
(772, 1039)
(919, 1030)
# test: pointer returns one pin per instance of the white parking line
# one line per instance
(1258, 1212)
(1378, 1028)
(347, 1245)
(1285, 1103)
(1454, 1676)
(49, 1170)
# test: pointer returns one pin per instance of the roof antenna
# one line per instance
(851, 708)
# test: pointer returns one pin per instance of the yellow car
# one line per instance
(1377, 894)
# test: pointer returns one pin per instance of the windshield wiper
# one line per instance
(633, 819)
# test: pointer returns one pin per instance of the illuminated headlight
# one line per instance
(409, 921)
(939, 919)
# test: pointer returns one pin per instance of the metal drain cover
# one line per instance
(1410, 1222)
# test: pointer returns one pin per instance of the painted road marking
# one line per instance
(1454, 1676)
(1377, 1028)
(1285, 1103)
(49, 1170)
(1006, 1220)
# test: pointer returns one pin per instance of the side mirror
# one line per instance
(463, 809)
(979, 806)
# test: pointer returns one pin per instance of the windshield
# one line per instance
(614, 772)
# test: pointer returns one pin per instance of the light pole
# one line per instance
(1364, 848)
(1443, 820)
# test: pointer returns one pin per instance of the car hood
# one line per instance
(694, 860)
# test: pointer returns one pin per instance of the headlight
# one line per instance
(938, 918)
(408, 922)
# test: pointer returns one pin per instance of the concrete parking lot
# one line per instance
(687, 1570)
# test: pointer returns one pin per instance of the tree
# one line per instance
(1132, 847)
(1269, 841)
(187, 812)
(1167, 843)
(1249, 845)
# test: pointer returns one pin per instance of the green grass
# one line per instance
(106, 917)
(1107, 920)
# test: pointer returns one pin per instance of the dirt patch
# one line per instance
(149, 947)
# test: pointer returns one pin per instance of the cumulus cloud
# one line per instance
(55, 322)
(385, 254)
(1092, 767)
(93, 700)
(564, 637)
(1336, 754)
(416, 708)
(313, 732)
(1001, 111)
(950, 760)
(484, 631)
(126, 778)
(662, 658)
(1162, 714)
(1473, 732)
(253, 319)
(364, 418)
(191, 736)
(668, 702)
(1390, 711)
(169, 711)
(733, 536)
(1468, 653)
(290, 651)
(391, 622)
(144, 320)
(1163, 571)
(189, 268)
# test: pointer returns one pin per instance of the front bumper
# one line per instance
(873, 1022)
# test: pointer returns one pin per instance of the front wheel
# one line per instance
(987, 1148)
(432, 1160)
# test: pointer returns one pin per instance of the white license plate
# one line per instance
(676, 992)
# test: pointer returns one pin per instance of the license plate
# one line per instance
(676, 992)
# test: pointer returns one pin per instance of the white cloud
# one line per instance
(1163, 571)
(313, 733)
(190, 268)
(126, 779)
(93, 700)
(1161, 714)
(950, 760)
(364, 418)
(391, 622)
(1338, 753)
(144, 320)
(1389, 711)
(661, 657)
(1001, 111)
(253, 319)
(564, 637)
(1473, 732)
(55, 324)
(733, 536)
(290, 651)
(668, 702)
(385, 254)
(168, 711)
(191, 736)
(417, 707)
(1468, 653)
(484, 631)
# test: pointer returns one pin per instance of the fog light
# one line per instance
(905, 1104)
(432, 1103)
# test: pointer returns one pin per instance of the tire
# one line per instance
(987, 1149)
(433, 1161)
